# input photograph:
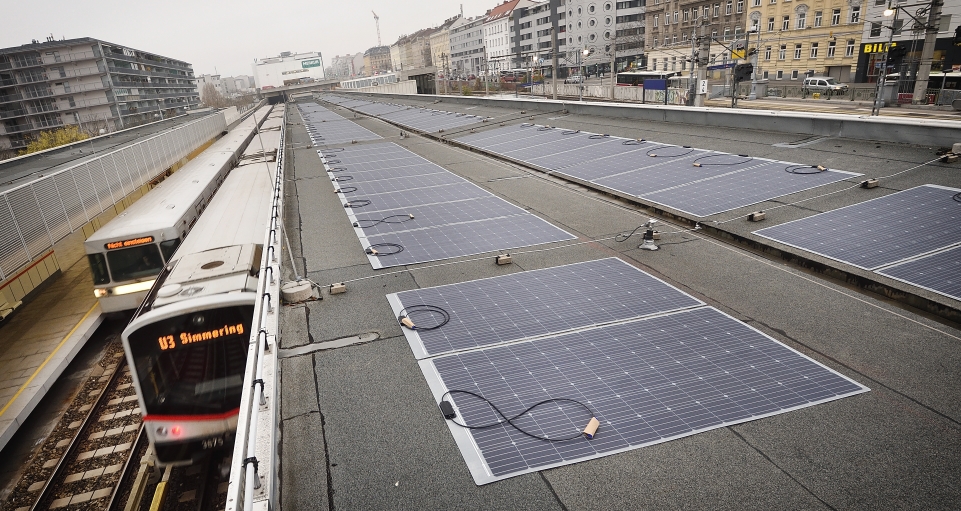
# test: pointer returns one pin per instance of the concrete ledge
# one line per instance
(883, 129)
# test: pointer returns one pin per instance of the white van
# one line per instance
(823, 84)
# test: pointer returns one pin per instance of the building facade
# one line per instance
(377, 60)
(467, 55)
(90, 83)
(288, 67)
(439, 43)
(531, 38)
(497, 34)
(602, 28)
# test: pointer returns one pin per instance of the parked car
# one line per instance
(471, 77)
(824, 85)
(574, 79)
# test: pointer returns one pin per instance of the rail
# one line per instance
(253, 471)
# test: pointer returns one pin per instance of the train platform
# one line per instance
(40, 340)
(361, 428)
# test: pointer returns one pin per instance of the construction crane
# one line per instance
(377, 21)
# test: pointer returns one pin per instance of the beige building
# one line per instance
(440, 44)
(377, 59)
(412, 51)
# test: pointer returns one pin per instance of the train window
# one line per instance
(98, 266)
(168, 248)
(193, 363)
(134, 262)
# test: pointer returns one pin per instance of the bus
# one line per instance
(636, 78)
(514, 75)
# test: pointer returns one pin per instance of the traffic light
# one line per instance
(896, 55)
(742, 72)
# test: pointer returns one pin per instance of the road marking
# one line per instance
(50, 356)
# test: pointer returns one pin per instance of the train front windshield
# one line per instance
(193, 364)
(134, 262)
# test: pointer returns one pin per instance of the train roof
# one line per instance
(163, 206)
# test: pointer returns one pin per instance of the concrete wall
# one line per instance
(405, 87)
(883, 129)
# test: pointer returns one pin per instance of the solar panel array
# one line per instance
(912, 235)
(410, 210)
(690, 180)
(423, 119)
(328, 128)
(651, 362)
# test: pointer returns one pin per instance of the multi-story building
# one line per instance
(909, 34)
(673, 27)
(412, 51)
(220, 85)
(531, 38)
(288, 67)
(603, 27)
(497, 34)
(377, 59)
(467, 55)
(807, 37)
(87, 82)
(439, 43)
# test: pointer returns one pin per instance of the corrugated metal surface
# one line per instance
(38, 214)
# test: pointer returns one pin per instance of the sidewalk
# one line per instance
(40, 340)
(840, 105)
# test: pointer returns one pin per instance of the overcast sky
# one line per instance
(229, 35)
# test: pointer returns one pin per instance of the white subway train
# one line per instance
(187, 344)
(128, 252)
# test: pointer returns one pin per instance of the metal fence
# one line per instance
(36, 215)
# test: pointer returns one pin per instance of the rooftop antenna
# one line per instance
(377, 21)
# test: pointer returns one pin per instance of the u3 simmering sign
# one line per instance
(310, 63)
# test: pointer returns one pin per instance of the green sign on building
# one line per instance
(310, 63)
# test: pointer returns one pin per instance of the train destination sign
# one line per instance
(128, 243)
(169, 342)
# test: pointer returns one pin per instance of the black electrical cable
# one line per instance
(621, 238)
(371, 250)
(334, 150)
(793, 169)
(639, 141)
(957, 197)
(699, 158)
(342, 178)
(544, 128)
(526, 124)
(510, 420)
(385, 220)
(337, 169)
(345, 189)
(689, 151)
(357, 203)
(596, 136)
(332, 161)
(408, 312)
(571, 132)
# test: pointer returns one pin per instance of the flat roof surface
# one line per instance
(14, 173)
(361, 429)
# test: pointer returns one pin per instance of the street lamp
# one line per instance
(580, 86)
(882, 74)
(754, 57)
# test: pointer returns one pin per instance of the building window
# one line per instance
(875, 29)
(674, 39)
(590, 9)
(654, 63)
(856, 14)
(740, 6)
(756, 3)
(673, 63)
(836, 17)
(814, 50)
(780, 75)
(849, 49)
(764, 75)
(655, 20)
(667, 41)
(686, 16)
(767, 53)
(707, 11)
(817, 19)
(831, 46)
(729, 7)
(801, 20)
(770, 24)
(797, 51)
(781, 52)
(675, 17)
(727, 33)
(717, 10)
(794, 74)
(786, 23)
(754, 26)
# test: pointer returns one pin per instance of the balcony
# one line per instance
(29, 126)
(70, 57)
(149, 62)
(42, 77)
(10, 98)
(37, 93)
(7, 81)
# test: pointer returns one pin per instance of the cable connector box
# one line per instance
(870, 183)
(757, 216)
(503, 259)
(656, 235)
(338, 288)
(448, 410)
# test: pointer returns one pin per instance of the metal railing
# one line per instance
(253, 470)
(42, 211)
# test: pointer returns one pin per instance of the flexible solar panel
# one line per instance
(380, 184)
(646, 381)
(939, 272)
(742, 187)
(878, 232)
(534, 303)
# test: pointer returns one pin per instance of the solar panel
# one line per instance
(742, 187)
(429, 215)
(406, 198)
(880, 231)
(939, 272)
(646, 381)
(468, 238)
(392, 184)
(538, 302)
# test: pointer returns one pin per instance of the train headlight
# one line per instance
(162, 431)
(100, 293)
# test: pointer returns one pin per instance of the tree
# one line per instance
(54, 138)
(212, 97)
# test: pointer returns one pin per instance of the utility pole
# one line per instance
(554, 60)
(754, 59)
(927, 53)
(703, 58)
(613, 62)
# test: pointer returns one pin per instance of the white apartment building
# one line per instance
(497, 34)
(288, 67)
(531, 39)
(467, 47)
